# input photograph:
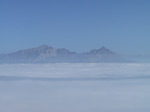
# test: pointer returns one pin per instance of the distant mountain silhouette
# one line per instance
(47, 54)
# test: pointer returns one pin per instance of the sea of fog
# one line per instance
(78, 87)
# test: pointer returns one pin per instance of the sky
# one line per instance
(78, 25)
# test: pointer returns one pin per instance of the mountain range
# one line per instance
(47, 54)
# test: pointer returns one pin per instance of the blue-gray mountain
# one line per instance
(47, 54)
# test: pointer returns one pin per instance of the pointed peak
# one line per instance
(104, 48)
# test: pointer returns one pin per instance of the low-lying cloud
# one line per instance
(75, 87)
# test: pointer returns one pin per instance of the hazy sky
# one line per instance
(79, 25)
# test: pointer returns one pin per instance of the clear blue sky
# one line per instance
(78, 25)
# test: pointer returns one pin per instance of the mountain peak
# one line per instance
(102, 50)
(105, 50)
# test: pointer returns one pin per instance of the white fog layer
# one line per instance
(80, 87)
(78, 70)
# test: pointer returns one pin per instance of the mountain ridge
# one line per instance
(48, 54)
